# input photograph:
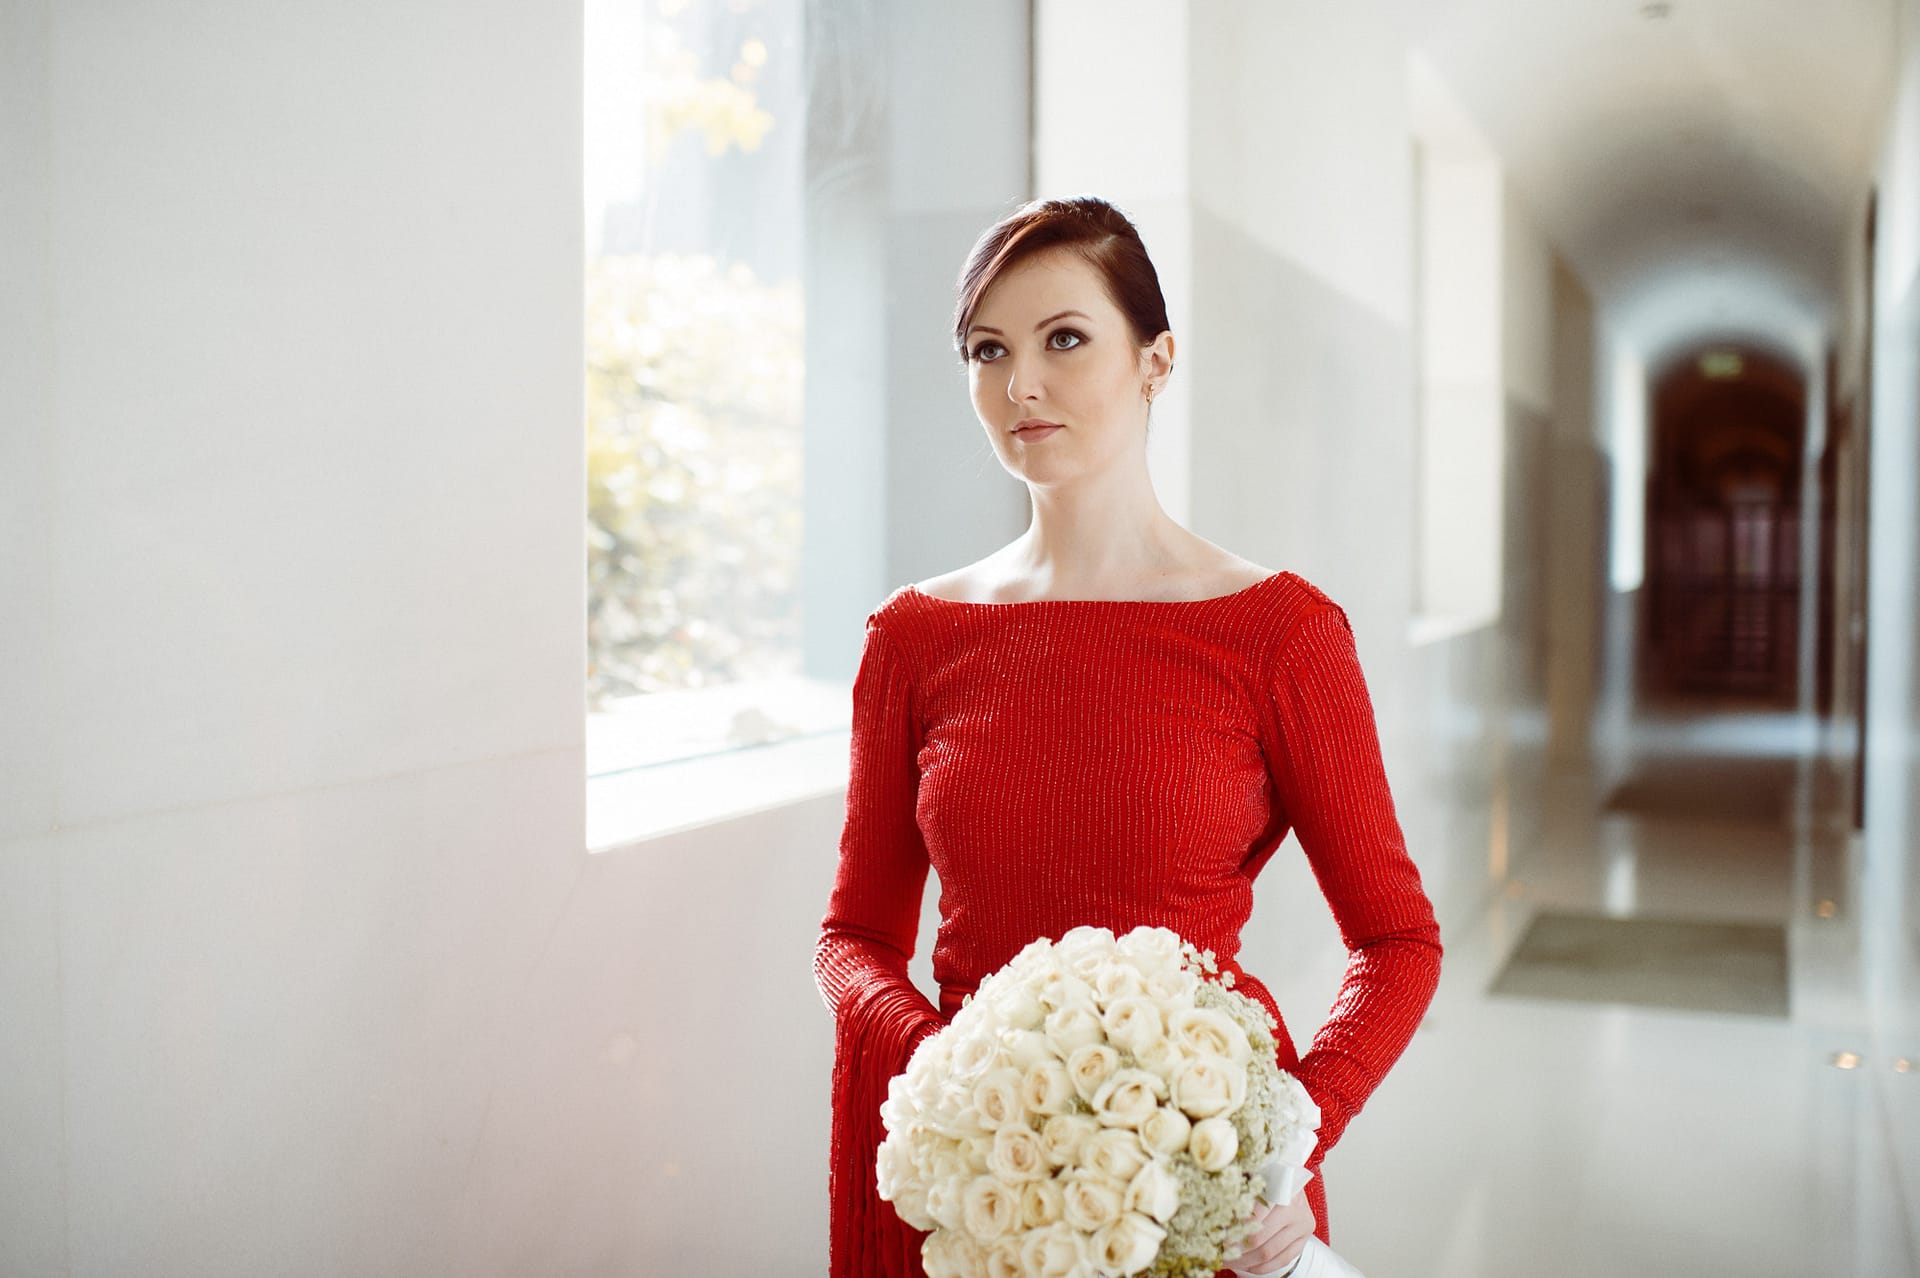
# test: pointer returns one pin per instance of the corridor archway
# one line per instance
(1723, 526)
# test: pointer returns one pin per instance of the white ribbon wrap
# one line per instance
(1286, 1174)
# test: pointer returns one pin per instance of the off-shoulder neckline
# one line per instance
(1111, 603)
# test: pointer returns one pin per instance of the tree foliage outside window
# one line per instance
(694, 357)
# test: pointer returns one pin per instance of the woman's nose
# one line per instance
(1023, 380)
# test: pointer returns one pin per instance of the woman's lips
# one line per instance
(1035, 429)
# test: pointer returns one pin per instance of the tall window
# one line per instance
(694, 147)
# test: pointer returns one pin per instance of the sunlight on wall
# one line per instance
(1626, 428)
(1459, 196)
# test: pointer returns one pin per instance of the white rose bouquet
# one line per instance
(1098, 1107)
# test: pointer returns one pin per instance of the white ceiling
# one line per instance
(1702, 171)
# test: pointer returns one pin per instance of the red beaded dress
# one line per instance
(1115, 763)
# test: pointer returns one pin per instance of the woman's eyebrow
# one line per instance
(1036, 328)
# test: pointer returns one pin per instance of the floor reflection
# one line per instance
(1588, 1137)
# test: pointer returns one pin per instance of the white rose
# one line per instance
(1073, 1026)
(1085, 939)
(1205, 1032)
(974, 1019)
(899, 1186)
(927, 1069)
(932, 1056)
(1063, 1136)
(1116, 980)
(1214, 1143)
(1092, 1201)
(1133, 1023)
(888, 1167)
(1116, 1154)
(1154, 1190)
(991, 1208)
(1086, 963)
(922, 1145)
(1163, 1056)
(950, 1163)
(899, 1108)
(1057, 1251)
(1207, 1087)
(976, 1150)
(1152, 947)
(1032, 954)
(910, 1204)
(1017, 1154)
(1061, 988)
(951, 1255)
(973, 1056)
(956, 1119)
(1023, 1047)
(1015, 1006)
(925, 1092)
(1041, 1203)
(996, 1098)
(1090, 1067)
(898, 1114)
(1127, 1246)
(1047, 1087)
(1165, 1130)
(1003, 1260)
(1127, 1097)
(1175, 986)
(944, 1201)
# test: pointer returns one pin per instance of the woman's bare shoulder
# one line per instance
(963, 585)
(1209, 573)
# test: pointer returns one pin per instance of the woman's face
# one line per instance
(1048, 345)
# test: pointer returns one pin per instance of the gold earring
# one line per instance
(1149, 392)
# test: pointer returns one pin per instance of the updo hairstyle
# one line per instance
(1086, 225)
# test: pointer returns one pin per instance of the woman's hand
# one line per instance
(1280, 1235)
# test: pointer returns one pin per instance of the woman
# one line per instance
(1109, 721)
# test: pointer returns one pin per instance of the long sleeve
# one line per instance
(860, 960)
(1332, 782)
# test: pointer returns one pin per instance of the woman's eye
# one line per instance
(1063, 339)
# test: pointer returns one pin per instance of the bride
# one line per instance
(1109, 721)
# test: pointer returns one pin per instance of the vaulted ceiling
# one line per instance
(1701, 163)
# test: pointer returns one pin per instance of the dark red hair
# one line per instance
(1084, 224)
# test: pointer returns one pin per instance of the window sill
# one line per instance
(1436, 628)
(630, 807)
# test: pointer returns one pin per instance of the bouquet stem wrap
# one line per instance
(1285, 1179)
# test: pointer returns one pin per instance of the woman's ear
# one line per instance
(1158, 358)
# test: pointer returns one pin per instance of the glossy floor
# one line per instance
(1535, 1136)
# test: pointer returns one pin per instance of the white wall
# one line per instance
(1462, 387)
(303, 966)
(292, 732)
(1890, 894)
(1575, 565)
(1299, 349)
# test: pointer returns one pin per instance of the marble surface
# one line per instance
(1522, 1137)
(1691, 964)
